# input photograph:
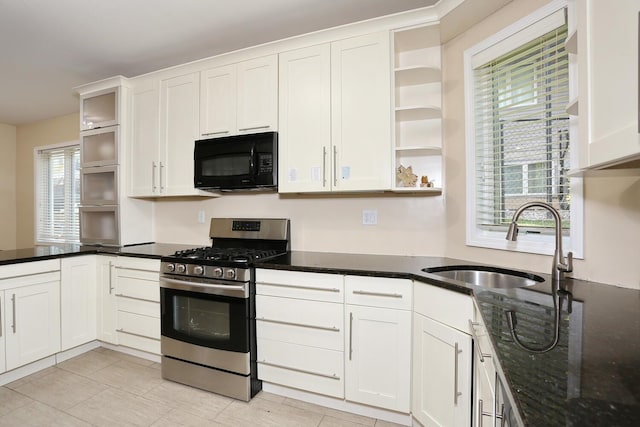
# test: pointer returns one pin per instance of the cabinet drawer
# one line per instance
(136, 306)
(15, 270)
(378, 292)
(333, 387)
(139, 325)
(149, 345)
(451, 308)
(143, 285)
(316, 364)
(302, 285)
(311, 323)
(147, 264)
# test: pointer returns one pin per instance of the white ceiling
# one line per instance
(47, 47)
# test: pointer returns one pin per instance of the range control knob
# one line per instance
(171, 268)
(198, 270)
(217, 272)
(230, 274)
(181, 268)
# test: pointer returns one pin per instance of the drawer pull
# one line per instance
(282, 322)
(476, 342)
(302, 371)
(220, 132)
(311, 288)
(377, 294)
(136, 335)
(137, 299)
(254, 128)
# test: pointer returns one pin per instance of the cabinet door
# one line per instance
(378, 357)
(441, 374)
(106, 301)
(144, 147)
(179, 118)
(305, 120)
(78, 301)
(613, 101)
(218, 101)
(360, 113)
(257, 95)
(34, 315)
(3, 322)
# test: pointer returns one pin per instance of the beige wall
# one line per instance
(612, 205)
(46, 132)
(7, 187)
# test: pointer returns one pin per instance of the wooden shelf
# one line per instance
(423, 112)
(415, 75)
(571, 44)
(572, 107)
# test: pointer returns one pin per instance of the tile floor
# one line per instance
(107, 388)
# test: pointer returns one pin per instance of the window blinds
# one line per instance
(522, 132)
(58, 195)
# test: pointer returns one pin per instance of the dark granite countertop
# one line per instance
(590, 378)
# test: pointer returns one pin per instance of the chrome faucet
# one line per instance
(560, 264)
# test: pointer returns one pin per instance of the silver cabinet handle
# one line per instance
(350, 335)
(154, 166)
(13, 304)
(220, 132)
(476, 342)
(160, 177)
(377, 294)
(456, 393)
(324, 166)
(137, 299)
(0, 318)
(311, 288)
(110, 278)
(135, 335)
(501, 416)
(254, 128)
(275, 365)
(482, 413)
(282, 322)
(335, 166)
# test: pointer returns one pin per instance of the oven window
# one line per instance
(201, 319)
(227, 165)
(207, 320)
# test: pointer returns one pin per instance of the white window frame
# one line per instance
(36, 192)
(495, 239)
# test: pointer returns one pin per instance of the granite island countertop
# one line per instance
(590, 378)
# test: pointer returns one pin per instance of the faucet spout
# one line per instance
(560, 264)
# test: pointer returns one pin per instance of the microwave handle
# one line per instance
(252, 164)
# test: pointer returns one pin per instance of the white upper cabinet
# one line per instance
(305, 120)
(239, 98)
(334, 116)
(100, 109)
(609, 80)
(360, 105)
(179, 105)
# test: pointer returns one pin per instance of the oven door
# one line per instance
(199, 317)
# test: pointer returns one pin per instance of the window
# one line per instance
(57, 194)
(518, 135)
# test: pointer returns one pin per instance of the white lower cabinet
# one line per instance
(78, 309)
(106, 299)
(300, 335)
(32, 317)
(137, 292)
(442, 357)
(378, 342)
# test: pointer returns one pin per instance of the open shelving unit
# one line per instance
(418, 106)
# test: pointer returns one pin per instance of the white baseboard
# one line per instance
(339, 404)
(132, 352)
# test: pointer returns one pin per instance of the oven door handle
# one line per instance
(185, 285)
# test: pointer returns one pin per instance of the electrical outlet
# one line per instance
(369, 217)
(200, 217)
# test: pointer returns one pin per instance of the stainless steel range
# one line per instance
(208, 306)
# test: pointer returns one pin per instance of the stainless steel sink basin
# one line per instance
(487, 277)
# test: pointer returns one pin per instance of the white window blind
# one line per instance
(58, 194)
(522, 133)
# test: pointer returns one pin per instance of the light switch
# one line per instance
(200, 217)
(369, 217)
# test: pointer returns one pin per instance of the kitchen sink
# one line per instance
(487, 277)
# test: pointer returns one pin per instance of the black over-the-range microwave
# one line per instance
(239, 162)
